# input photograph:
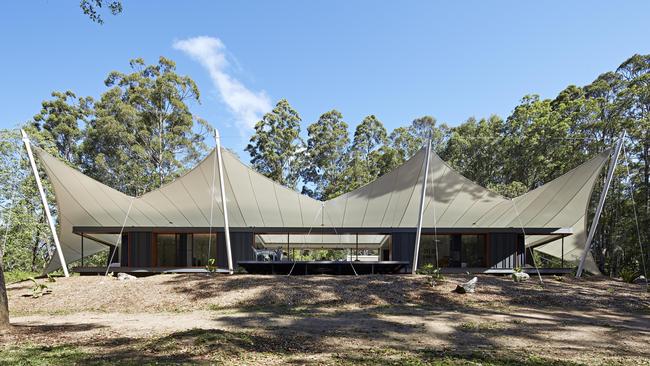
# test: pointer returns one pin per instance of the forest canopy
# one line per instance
(140, 133)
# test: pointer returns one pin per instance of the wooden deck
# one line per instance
(311, 267)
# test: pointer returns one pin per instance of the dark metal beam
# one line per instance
(320, 230)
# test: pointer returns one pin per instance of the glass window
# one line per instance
(429, 252)
(202, 243)
(472, 251)
(166, 250)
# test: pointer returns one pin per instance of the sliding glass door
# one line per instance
(204, 247)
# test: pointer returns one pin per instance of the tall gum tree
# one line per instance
(144, 126)
(327, 142)
(275, 145)
(363, 154)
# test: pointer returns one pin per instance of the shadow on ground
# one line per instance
(371, 320)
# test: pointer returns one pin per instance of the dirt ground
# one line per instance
(376, 320)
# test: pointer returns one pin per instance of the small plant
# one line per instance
(518, 275)
(39, 289)
(212, 265)
(629, 274)
(50, 278)
(432, 273)
(558, 278)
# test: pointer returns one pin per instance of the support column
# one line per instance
(226, 228)
(357, 246)
(423, 195)
(601, 204)
(562, 265)
(46, 207)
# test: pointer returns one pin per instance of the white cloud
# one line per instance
(246, 106)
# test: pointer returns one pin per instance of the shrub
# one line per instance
(431, 272)
(629, 274)
(39, 289)
(212, 265)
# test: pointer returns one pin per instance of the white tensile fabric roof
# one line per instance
(253, 200)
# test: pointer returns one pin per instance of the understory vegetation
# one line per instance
(214, 345)
(140, 134)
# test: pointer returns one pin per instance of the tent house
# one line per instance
(182, 225)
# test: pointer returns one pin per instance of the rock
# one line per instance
(640, 280)
(520, 276)
(467, 287)
(125, 277)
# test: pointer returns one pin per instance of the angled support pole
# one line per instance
(423, 195)
(601, 204)
(46, 207)
(226, 228)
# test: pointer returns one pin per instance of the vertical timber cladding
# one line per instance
(139, 249)
(521, 250)
(502, 250)
(506, 250)
(241, 244)
(403, 245)
(124, 251)
(181, 250)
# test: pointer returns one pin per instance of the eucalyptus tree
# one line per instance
(403, 142)
(8, 169)
(24, 235)
(535, 138)
(93, 8)
(58, 127)
(143, 134)
(327, 143)
(408, 140)
(275, 147)
(475, 148)
(363, 154)
(634, 99)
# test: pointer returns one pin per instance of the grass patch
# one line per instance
(41, 355)
(481, 326)
(392, 357)
(17, 276)
(276, 309)
(214, 346)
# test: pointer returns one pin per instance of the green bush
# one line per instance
(212, 265)
(39, 289)
(629, 274)
(431, 272)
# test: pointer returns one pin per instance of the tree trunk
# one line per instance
(35, 252)
(160, 149)
(35, 246)
(4, 300)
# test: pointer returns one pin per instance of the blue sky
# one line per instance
(397, 60)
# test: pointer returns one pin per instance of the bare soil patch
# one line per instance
(247, 319)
